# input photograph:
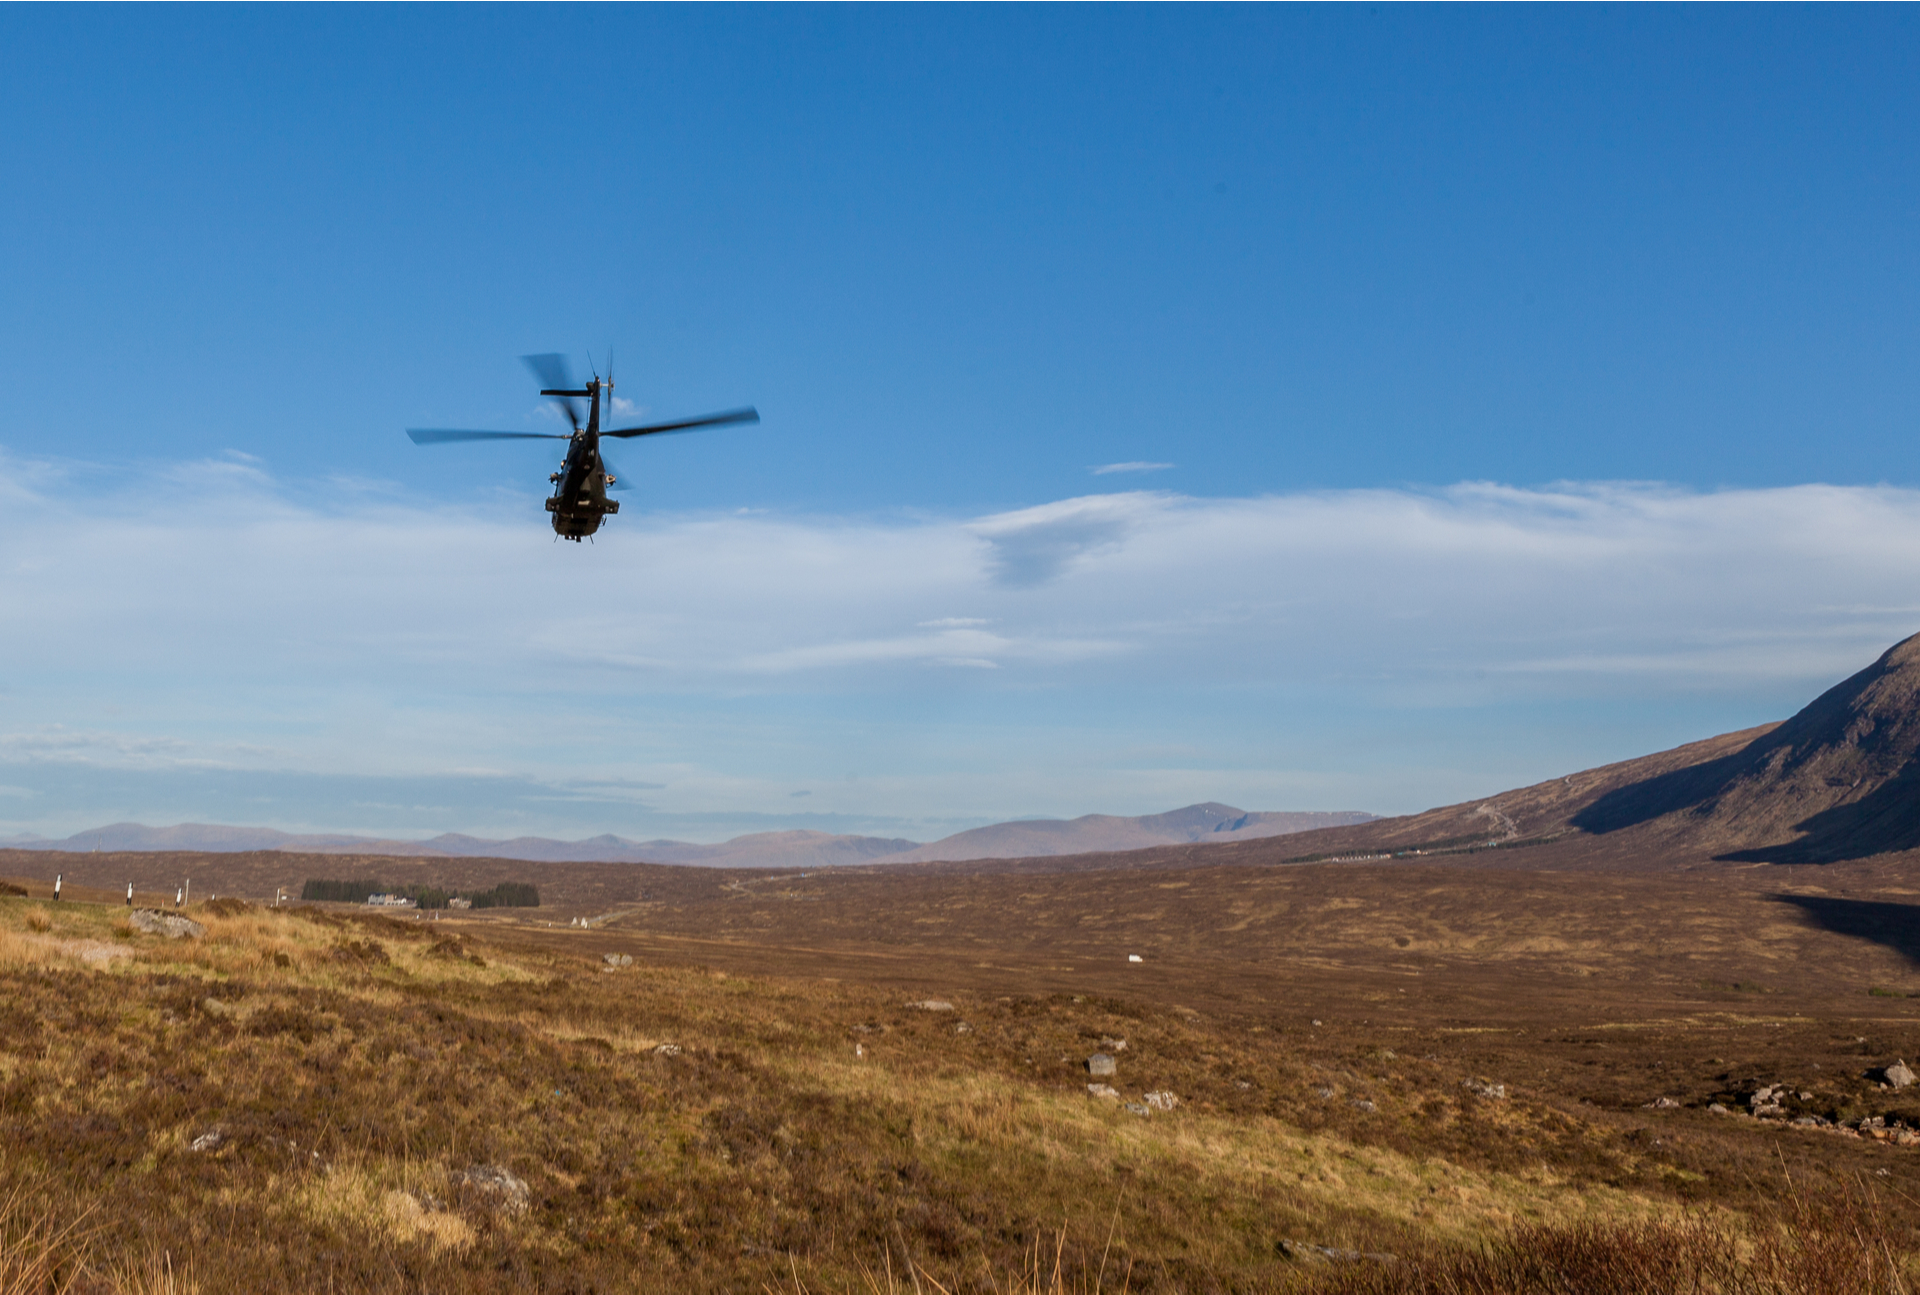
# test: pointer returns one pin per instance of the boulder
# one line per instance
(1100, 1064)
(171, 925)
(1162, 1101)
(617, 959)
(1102, 1090)
(1481, 1088)
(494, 1188)
(1300, 1252)
(1898, 1075)
(932, 1005)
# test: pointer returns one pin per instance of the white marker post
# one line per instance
(58, 877)
(129, 894)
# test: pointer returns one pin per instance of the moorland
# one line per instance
(1640, 1028)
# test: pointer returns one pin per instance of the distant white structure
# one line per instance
(459, 901)
(389, 901)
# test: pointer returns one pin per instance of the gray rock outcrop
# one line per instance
(171, 925)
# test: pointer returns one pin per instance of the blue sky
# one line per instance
(1506, 390)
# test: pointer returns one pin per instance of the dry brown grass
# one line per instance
(677, 1128)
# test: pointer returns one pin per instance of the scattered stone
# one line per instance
(1113, 1045)
(1481, 1088)
(1134, 957)
(492, 1186)
(1362, 1104)
(1162, 1101)
(1662, 1104)
(1718, 1109)
(932, 1005)
(1242, 1084)
(666, 1049)
(223, 1011)
(1102, 1090)
(860, 1050)
(1135, 1108)
(617, 959)
(1898, 1075)
(211, 1140)
(1316, 1021)
(961, 1027)
(1323, 1093)
(1100, 1064)
(171, 925)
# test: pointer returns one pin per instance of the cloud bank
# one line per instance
(1116, 652)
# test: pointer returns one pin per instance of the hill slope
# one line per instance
(1209, 822)
(1840, 780)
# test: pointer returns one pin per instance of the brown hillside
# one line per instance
(1840, 780)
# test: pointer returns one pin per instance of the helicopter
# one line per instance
(579, 502)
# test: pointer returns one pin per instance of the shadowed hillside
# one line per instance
(1837, 781)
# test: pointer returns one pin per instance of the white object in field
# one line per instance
(1134, 957)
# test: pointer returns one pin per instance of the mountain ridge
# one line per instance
(785, 849)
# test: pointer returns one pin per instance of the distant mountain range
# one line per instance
(797, 849)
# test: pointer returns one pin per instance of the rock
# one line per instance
(1100, 1064)
(494, 1187)
(215, 1008)
(1135, 1108)
(1300, 1252)
(1362, 1104)
(666, 1049)
(1898, 1075)
(961, 1027)
(1324, 1093)
(171, 925)
(211, 1140)
(1134, 957)
(1662, 1104)
(1162, 1101)
(1113, 1045)
(1481, 1088)
(1102, 1090)
(932, 1005)
(1718, 1109)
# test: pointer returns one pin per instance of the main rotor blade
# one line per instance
(555, 376)
(747, 415)
(552, 370)
(440, 435)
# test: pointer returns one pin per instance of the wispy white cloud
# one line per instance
(207, 617)
(1135, 466)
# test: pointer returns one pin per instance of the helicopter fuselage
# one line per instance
(579, 501)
